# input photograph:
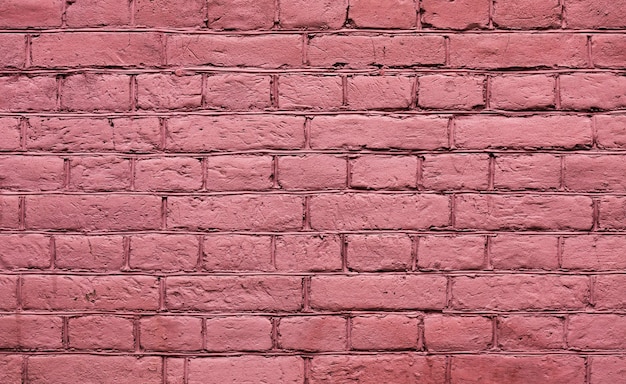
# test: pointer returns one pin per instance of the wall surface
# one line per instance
(312, 191)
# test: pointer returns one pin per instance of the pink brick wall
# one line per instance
(312, 191)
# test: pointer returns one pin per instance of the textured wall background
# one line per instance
(291, 191)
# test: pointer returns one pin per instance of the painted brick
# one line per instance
(12, 50)
(167, 333)
(312, 172)
(599, 14)
(608, 51)
(241, 369)
(105, 173)
(101, 332)
(528, 333)
(451, 92)
(464, 14)
(384, 172)
(310, 92)
(91, 92)
(369, 253)
(93, 13)
(30, 13)
(164, 252)
(170, 173)
(99, 253)
(31, 173)
(308, 253)
(241, 14)
(521, 172)
(448, 172)
(596, 331)
(451, 252)
(526, 92)
(524, 252)
(387, 332)
(24, 251)
(457, 333)
(320, 14)
(237, 173)
(253, 92)
(313, 333)
(21, 93)
(31, 332)
(400, 14)
(237, 253)
(242, 333)
(170, 13)
(593, 91)
(527, 14)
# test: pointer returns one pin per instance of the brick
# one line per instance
(451, 252)
(206, 133)
(367, 51)
(96, 293)
(11, 369)
(522, 92)
(457, 333)
(30, 13)
(451, 92)
(119, 49)
(608, 292)
(524, 252)
(519, 292)
(24, 251)
(463, 14)
(313, 333)
(253, 92)
(597, 331)
(216, 293)
(21, 93)
(94, 13)
(595, 173)
(527, 14)
(521, 50)
(101, 332)
(164, 252)
(382, 368)
(312, 172)
(136, 134)
(593, 91)
(168, 174)
(266, 51)
(308, 253)
(246, 369)
(600, 14)
(481, 132)
(236, 212)
(12, 50)
(242, 333)
(610, 131)
(337, 293)
(100, 253)
(10, 133)
(607, 369)
(31, 332)
(9, 212)
(384, 172)
(81, 212)
(452, 171)
(396, 14)
(241, 14)
(171, 333)
(530, 333)
(160, 91)
(521, 172)
(387, 332)
(370, 253)
(104, 173)
(174, 370)
(94, 92)
(8, 292)
(310, 92)
(239, 173)
(170, 13)
(608, 51)
(557, 369)
(31, 173)
(379, 92)
(612, 214)
(320, 14)
(237, 253)
(75, 369)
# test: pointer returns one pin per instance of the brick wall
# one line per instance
(319, 191)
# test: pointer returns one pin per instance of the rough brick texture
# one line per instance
(312, 191)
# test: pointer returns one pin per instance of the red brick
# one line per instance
(520, 292)
(234, 294)
(171, 333)
(168, 174)
(451, 252)
(241, 14)
(101, 332)
(96, 293)
(9, 212)
(12, 50)
(388, 332)
(94, 92)
(447, 172)
(462, 14)
(10, 133)
(161, 91)
(313, 333)
(31, 332)
(597, 331)
(601, 14)
(524, 252)
(556, 369)
(236, 212)
(384, 172)
(312, 172)
(380, 92)
(527, 14)
(8, 292)
(75, 369)
(595, 173)
(610, 131)
(170, 13)
(252, 92)
(530, 333)
(308, 253)
(24, 251)
(369, 253)
(451, 92)
(21, 93)
(608, 292)
(521, 50)
(382, 368)
(164, 252)
(136, 134)
(536, 171)
(100, 253)
(174, 370)
(593, 91)
(81, 212)
(457, 333)
(612, 212)
(480, 132)
(246, 369)
(11, 369)
(396, 14)
(31, 173)
(320, 14)
(242, 333)
(206, 133)
(608, 51)
(239, 173)
(522, 92)
(266, 51)
(94, 13)
(237, 253)
(30, 13)
(310, 92)
(367, 51)
(97, 49)
(607, 369)
(339, 293)
(104, 173)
